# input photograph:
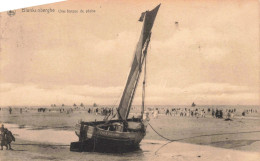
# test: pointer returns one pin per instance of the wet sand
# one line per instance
(150, 150)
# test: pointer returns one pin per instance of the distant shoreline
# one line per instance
(172, 106)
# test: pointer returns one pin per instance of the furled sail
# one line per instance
(136, 68)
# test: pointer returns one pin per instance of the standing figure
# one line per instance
(155, 114)
(146, 119)
(9, 138)
(213, 113)
(167, 112)
(6, 138)
(10, 110)
(2, 136)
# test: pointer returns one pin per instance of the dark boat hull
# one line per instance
(103, 140)
(104, 146)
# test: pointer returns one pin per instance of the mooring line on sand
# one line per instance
(172, 140)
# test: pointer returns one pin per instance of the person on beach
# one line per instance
(213, 113)
(2, 136)
(155, 114)
(167, 112)
(146, 119)
(220, 114)
(217, 113)
(10, 110)
(6, 138)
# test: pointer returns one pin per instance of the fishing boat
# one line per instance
(121, 134)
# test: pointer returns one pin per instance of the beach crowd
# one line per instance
(198, 112)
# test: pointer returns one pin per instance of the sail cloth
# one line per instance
(131, 84)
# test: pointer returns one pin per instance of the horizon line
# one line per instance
(100, 105)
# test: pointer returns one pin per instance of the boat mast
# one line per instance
(147, 18)
(143, 61)
(144, 81)
(143, 92)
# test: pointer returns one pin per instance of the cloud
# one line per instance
(117, 44)
(204, 93)
(64, 59)
(31, 94)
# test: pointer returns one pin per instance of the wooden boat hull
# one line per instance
(105, 144)
(89, 146)
(102, 140)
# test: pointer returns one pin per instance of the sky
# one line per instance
(211, 57)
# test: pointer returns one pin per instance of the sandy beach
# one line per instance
(26, 150)
(47, 136)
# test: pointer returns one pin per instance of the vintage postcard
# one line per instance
(131, 80)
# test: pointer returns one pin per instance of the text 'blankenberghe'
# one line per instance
(52, 10)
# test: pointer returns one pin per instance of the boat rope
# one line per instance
(159, 133)
(172, 140)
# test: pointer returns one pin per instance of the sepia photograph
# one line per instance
(131, 80)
